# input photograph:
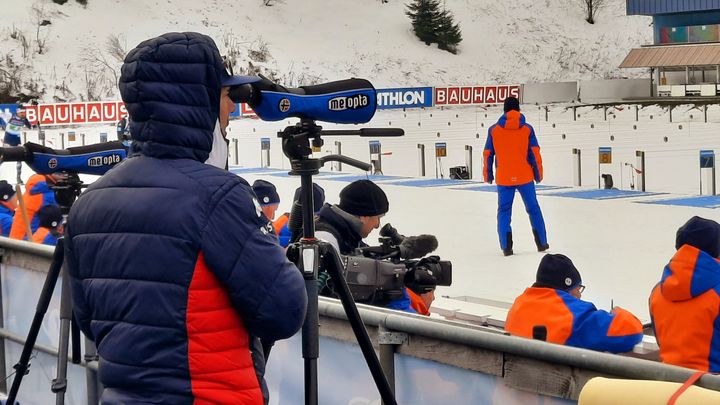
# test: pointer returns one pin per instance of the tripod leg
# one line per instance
(333, 265)
(43, 302)
(59, 384)
(311, 345)
(91, 378)
(308, 263)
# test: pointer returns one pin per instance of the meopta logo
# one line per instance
(108, 160)
(348, 103)
(52, 163)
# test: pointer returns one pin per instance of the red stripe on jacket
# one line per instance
(221, 367)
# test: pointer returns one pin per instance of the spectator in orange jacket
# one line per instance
(685, 304)
(554, 303)
(512, 146)
(37, 194)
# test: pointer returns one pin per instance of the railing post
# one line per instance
(387, 340)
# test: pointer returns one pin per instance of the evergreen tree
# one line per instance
(424, 15)
(431, 24)
(448, 33)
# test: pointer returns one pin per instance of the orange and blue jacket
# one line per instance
(572, 321)
(685, 309)
(417, 303)
(37, 194)
(45, 236)
(512, 146)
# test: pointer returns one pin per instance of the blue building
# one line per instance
(680, 21)
(684, 58)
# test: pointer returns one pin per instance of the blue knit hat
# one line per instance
(49, 216)
(701, 233)
(318, 197)
(266, 192)
(6, 191)
(557, 271)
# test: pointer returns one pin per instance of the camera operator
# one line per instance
(362, 204)
(174, 274)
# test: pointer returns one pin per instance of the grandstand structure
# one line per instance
(684, 59)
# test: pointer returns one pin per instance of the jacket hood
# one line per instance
(171, 89)
(691, 272)
(512, 120)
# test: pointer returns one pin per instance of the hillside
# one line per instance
(309, 41)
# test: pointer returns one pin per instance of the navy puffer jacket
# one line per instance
(173, 273)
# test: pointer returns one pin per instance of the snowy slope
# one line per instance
(312, 40)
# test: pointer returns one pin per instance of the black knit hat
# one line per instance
(6, 190)
(49, 216)
(511, 103)
(266, 192)
(557, 271)
(318, 196)
(701, 233)
(363, 198)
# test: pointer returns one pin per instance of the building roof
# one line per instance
(654, 7)
(677, 56)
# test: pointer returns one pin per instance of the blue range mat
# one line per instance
(431, 182)
(238, 170)
(373, 177)
(601, 194)
(706, 201)
(493, 188)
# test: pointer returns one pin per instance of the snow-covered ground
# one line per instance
(620, 246)
(315, 40)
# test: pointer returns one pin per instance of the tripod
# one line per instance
(309, 251)
(66, 191)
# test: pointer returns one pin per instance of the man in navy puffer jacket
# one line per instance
(174, 274)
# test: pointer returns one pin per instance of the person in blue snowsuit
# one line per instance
(14, 127)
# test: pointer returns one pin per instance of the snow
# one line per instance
(311, 40)
(619, 246)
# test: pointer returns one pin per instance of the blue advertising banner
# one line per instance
(236, 113)
(410, 97)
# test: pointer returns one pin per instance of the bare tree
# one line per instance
(40, 18)
(116, 47)
(591, 8)
(102, 71)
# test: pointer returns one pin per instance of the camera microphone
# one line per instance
(414, 247)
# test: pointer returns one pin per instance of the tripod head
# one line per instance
(296, 140)
(67, 188)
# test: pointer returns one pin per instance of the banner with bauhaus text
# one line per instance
(469, 95)
(93, 112)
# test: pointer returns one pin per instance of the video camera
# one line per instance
(377, 274)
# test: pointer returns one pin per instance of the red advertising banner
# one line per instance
(76, 113)
(468, 95)
(246, 111)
